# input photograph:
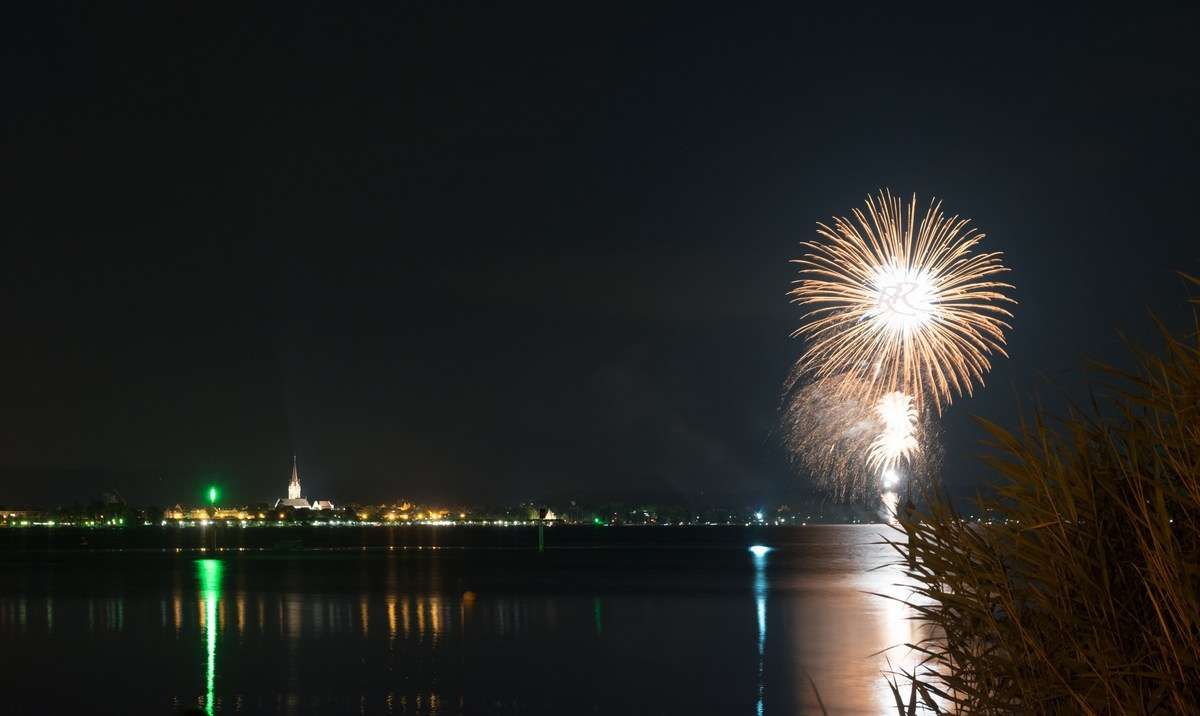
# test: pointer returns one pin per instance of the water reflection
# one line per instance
(894, 627)
(364, 616)
(759, 553)
(891, 507)
(208, 573)
(491, 632)
(597, 616)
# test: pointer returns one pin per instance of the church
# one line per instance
(295, 499)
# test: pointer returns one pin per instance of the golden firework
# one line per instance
(897, 304)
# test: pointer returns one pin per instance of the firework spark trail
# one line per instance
(830, 435)
(901, 305)
(898, 440)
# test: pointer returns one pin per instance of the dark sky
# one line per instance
(532, 251)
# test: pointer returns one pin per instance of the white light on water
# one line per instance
(759, 550)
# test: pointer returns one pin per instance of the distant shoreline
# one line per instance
(409, 538)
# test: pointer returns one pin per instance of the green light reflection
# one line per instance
(208, 572)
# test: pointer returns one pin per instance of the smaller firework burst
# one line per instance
(832, 436)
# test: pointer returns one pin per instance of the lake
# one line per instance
(428, 620)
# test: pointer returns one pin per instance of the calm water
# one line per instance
(665, 621)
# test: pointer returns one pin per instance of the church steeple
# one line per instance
(294, 485)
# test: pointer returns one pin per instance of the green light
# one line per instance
(597, 521)
(209, 573)
(212, 495)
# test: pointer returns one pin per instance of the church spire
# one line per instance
(294, 485)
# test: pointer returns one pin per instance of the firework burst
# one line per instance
(897, 304)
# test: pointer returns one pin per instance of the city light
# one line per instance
(759, 550)
(202, 515)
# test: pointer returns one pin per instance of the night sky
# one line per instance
(535, 251)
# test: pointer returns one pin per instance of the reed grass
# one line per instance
(1083, 597)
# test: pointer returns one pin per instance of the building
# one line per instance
(295, 499)
(231, 513)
